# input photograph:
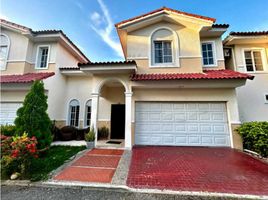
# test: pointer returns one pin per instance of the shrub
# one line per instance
(32, 117)
(90, 136)
(103, 132)
(17, 154)
(255, 136)
(8, 130)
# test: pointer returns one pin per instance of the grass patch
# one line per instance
(51, 160)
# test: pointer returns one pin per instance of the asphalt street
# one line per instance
(83, 193)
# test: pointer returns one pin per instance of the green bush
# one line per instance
(103, 132)
(32, 117)
(255, 136)
(8, 130)
(90, 136)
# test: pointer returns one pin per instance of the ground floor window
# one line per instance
(74, 113)
(88, 113)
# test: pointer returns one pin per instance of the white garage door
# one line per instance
(181, 124)
(8, 112)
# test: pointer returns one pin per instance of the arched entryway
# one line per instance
(111, 108)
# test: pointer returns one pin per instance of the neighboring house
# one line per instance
(248, 52)
(173, 88)
(27, 55)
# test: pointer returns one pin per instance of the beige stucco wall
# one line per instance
(13, 96)
(251, 99)
(187, 56)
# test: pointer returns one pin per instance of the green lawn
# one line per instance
(51, 160)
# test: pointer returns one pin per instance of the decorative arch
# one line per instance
(5, 43)
(102, 83)
(175, 48)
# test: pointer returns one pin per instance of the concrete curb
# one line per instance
(124, 188)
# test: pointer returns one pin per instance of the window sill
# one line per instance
(204, 66)
(38, 68)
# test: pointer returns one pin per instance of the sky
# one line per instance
(90, 23)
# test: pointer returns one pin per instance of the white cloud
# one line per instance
(96, 18)
(106, 32)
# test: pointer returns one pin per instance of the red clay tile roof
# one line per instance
(220, 25)
(166, 9)
(70, 68)
(45, 32)
(126, 62)
(208, 74)
(25, 78)
(250, 33)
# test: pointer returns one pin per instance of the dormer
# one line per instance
(167, 40)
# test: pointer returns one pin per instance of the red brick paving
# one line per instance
(97, 165)
(106, 152)
(98, 161)
(197, 169)
(86, 174)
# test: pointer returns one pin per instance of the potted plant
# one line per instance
(90, 139)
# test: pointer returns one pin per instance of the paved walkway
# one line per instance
(221, 170)
(97, 165)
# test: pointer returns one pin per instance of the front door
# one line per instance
(118, 121)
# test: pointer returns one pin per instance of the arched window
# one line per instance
(74, 113)
(164, 48)
(4, 48)
(88, 113)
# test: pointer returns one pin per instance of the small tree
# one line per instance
(32, 117)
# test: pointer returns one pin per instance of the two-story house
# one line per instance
(173, 88)
(247, 52)
(27, 55)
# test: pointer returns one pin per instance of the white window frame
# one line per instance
(212, 42)
(85, 120)
(69, 113)
(175, 50)
(265, 100)
(172, 54)
(261, 50)
(36, 59)
(8, 46)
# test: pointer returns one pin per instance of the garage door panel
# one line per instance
(8, 112)
(187, 124)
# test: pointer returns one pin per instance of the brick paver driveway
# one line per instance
(222, 170)
(97, 165)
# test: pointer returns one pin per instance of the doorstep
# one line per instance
(94, 166)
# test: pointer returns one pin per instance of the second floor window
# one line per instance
(207, 53)
(42, 58)
(253, 60)
(162, 52)
(74, 113)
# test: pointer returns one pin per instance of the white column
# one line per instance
(94, 113)
(128, 137)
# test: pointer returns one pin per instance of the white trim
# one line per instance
(213, 50)
(175, 50)
(85, 113)
(97, 89)
(7, 54)
(265, 100)
(37, 53)
(137, 58)
(140, 19)
(264, 63)
(68, 112)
